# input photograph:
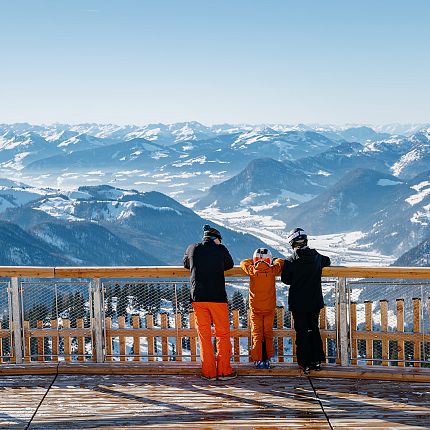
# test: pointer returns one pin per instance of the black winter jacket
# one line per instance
(207, 262)
(302, 272)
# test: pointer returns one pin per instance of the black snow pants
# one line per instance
(308, 338)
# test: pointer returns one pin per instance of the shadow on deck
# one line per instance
(264, 400)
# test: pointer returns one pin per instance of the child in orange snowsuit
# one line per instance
(262, 303)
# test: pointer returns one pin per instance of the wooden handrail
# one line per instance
(26, 271)
(180, 272)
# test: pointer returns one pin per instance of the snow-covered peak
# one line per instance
(403, 129)
(252, 136)
(16, 194)
(103, 130)
(185, 133)
(169, 134)
(55, 135)
(7, 183)
(102, 192)
(101, 203)
(12, 141)
(81, 142)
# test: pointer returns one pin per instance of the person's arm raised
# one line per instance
(246, 265)
(228, 260)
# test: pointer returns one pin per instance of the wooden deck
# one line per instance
(186, 401)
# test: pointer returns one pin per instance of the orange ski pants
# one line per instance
(217, 313)
(261, 331)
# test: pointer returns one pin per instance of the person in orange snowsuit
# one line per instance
(262, 303)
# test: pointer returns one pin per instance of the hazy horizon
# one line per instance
(243, 124)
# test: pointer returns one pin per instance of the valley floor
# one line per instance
(342, 248)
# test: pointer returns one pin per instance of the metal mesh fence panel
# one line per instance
(5, 323)
(152, 307)
(56, 320)
(390, 322)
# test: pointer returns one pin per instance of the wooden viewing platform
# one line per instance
(186, 401)
(68, 361)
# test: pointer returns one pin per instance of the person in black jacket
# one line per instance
(207, 262)
(302, 272)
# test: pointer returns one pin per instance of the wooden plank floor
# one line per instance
(186, 401)
(358, 404)
(20, 397)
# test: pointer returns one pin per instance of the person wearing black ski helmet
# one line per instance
(302, 272)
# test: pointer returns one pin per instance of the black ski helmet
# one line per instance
(297, 237)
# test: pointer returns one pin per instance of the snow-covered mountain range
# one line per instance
(89, 180)
(417, 256)
(103, 225)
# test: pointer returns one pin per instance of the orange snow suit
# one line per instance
(262, 303)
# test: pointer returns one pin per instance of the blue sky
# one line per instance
(279, 61)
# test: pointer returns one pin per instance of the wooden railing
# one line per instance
(180, 272)
(95, 338)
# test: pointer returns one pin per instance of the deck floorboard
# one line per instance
(355, 404)
(19, 398)
(139, 401)
(186, 401)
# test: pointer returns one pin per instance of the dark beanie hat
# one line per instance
(211, 233)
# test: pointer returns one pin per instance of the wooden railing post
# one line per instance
(353, 340)
(66, 340)
(164, 339)
(416, 303)
(27, 342)
(122, 339)
(150, 339)
(55, 340)
(343, 323)
(368, 317)
(193, 341)
(383, 306)
(136, 339)
(97, 319)
(178, 326)
(293, 336)
(81, 340)
(40, 343)
(280, 325)
(16, 321)
(400, 315)
(108, 328)
(236, 338)
(323, 326)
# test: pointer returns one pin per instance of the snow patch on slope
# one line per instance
(423, 189)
